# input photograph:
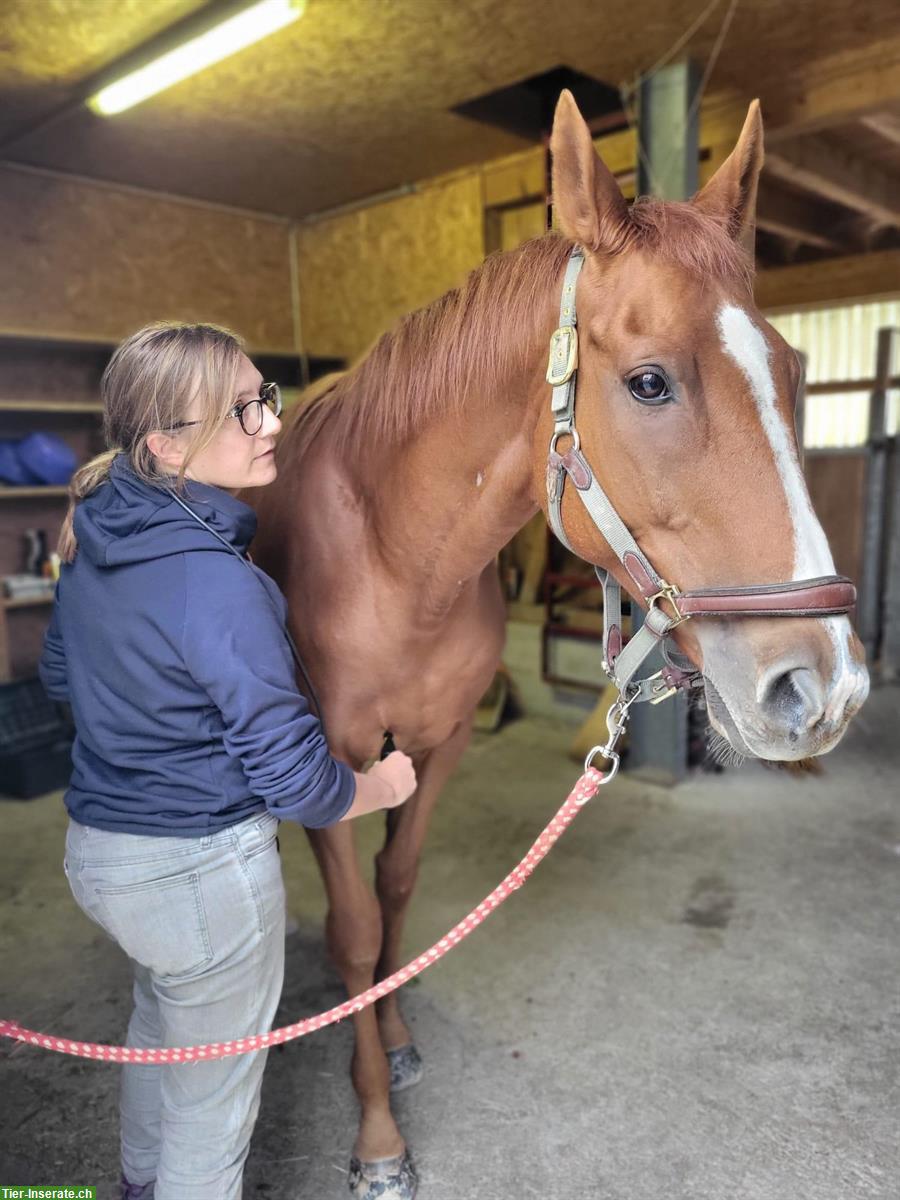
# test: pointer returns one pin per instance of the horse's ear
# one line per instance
(587, 201)
(731, 193)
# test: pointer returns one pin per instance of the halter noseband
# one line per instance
(825, 596)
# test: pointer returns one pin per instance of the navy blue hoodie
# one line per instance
(174, 658)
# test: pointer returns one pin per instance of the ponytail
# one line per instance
(85, 480)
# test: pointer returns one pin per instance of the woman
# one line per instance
(192, 740)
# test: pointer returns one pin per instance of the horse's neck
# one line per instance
(444, 505)
(427, 458)
(454, 501)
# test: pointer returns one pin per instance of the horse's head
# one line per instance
(684, 407)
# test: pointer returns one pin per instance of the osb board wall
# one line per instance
(361, 270)
(81, 259)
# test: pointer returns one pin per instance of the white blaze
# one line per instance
(744, 343)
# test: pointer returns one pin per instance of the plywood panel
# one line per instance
(518, 225)
(360, 271)
(76, 258)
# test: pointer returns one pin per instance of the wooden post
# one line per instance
(879, 557)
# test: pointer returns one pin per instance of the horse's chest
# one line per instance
(420, 688)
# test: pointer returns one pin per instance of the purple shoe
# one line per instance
(135, 1191)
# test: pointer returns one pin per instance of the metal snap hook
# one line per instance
(611, 756)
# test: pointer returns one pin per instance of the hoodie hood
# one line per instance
(126, 520)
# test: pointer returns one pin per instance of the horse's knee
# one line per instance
(354, 937)
(394, 884)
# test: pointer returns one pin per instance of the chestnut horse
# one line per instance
(398, 486)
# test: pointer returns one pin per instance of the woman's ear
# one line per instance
(166, 449)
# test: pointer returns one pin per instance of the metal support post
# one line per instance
(667, 167)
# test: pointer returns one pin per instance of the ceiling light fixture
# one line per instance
(228, 36)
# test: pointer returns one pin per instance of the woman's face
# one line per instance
(233, 459)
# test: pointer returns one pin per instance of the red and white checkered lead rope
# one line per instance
(584, 789)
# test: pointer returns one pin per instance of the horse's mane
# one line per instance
(427, 363)
(425, 366)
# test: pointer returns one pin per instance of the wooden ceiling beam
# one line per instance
(836, 89)
(816, 165)
(791, 217)
(829, 281)
(885, 124)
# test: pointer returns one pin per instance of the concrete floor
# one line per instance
(694, 997)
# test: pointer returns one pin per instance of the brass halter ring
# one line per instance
(669, 592)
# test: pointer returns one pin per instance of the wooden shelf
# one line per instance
(32, 493)
(9, 602)
(50, 406)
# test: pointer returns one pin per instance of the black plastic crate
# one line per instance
(35, 741)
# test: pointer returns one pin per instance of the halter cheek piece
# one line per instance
(668, 607)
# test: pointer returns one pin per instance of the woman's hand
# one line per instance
(387, 784)
(398, 771)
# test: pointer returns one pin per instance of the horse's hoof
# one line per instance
(383, 1179)
(406, 1067)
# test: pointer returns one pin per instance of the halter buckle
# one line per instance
(669, 592)
(660, 691)
(563, 361)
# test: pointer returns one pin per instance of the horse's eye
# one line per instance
(650, 386)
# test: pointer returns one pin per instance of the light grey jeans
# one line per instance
(202, 920)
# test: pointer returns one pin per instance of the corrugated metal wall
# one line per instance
(839, 344)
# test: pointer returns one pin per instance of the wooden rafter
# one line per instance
(885, 124)
(817, 165)
(791, 217)
(835, 89)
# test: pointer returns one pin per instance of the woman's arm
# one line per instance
(235, 648)
(52, 667)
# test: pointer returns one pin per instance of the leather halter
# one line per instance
(825, 596)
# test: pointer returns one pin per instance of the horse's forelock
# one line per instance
(691, 238)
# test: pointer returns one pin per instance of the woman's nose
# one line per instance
(271, 424)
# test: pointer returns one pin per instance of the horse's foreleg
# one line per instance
(396, 868)
(354, 934)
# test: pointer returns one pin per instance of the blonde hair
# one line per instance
(147, 387)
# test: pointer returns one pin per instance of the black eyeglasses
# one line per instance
(250, 414)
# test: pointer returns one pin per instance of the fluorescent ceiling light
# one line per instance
(229, 36)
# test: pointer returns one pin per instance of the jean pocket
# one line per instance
(258, 835)
(160, 923)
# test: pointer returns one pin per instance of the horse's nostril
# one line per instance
(794, 698)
